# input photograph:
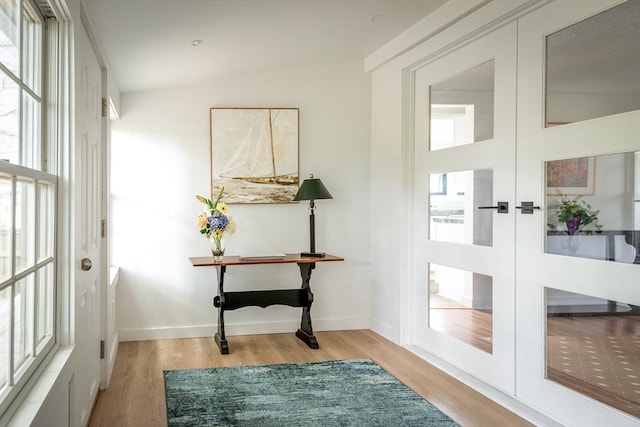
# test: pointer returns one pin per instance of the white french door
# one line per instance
(558, 120)
(464, 165)
(539, 299)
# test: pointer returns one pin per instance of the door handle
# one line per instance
(527, 207)
(85, 264)
(502, 207)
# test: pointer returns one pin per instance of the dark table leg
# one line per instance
(218, 301)
(305, 333)
(295, 298)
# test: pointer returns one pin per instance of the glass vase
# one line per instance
(217, 245)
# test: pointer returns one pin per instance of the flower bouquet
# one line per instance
(575, 213)
(215, 223)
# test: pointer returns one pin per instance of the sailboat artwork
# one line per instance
(254, 154)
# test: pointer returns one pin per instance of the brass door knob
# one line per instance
(86, 264)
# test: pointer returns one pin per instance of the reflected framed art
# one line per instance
(571, 176)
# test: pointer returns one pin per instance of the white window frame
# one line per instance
(50, 135)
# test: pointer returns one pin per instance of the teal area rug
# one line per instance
(335, 393)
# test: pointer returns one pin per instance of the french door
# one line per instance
(464, 243)
(526, 225)
(579, 111)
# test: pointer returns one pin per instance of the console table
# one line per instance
(226, 301)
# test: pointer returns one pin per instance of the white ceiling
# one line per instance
(148, 42)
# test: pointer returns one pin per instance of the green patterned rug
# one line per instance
(335, 393)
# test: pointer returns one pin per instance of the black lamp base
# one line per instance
(313, 254)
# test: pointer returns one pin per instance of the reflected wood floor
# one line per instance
(473, 326)
(135, 396)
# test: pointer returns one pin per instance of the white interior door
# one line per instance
(569, 114)
(464, 255)
(89, 274)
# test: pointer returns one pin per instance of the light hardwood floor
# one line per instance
(135, 396)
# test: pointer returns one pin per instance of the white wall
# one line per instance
(160, 161)
(388, 192)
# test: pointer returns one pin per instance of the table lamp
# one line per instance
(312, 189)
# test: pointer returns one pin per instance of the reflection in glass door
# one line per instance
(461, 305)
(577, 274)
(593, 344)
(461, 302)
(465, 151)
(590, 206)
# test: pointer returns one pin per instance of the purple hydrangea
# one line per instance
(218, 221)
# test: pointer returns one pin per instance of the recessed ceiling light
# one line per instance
(196, 42)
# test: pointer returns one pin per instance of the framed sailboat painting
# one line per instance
(254, 154)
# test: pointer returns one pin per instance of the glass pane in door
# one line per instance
(462, 108)
(592, 204)
(593, 347)
(593, 67)
(461, 305)
(455, 199)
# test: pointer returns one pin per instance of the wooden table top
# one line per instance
(239, 260)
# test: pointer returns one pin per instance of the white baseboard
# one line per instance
(385, 330)
(232, 328)
(167, 333)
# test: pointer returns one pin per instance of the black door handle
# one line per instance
(502, 207)
(527, 207)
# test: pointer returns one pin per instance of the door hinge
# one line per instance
(104, 107)
(103, 228)
(102, 349)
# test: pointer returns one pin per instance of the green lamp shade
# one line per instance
(312, 189)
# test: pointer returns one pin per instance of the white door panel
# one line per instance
(537, 271)
(585, 117)
(89, 286)
(466, 263)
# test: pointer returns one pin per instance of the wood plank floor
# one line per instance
(135, 396)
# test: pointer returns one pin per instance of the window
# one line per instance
(28, 193)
